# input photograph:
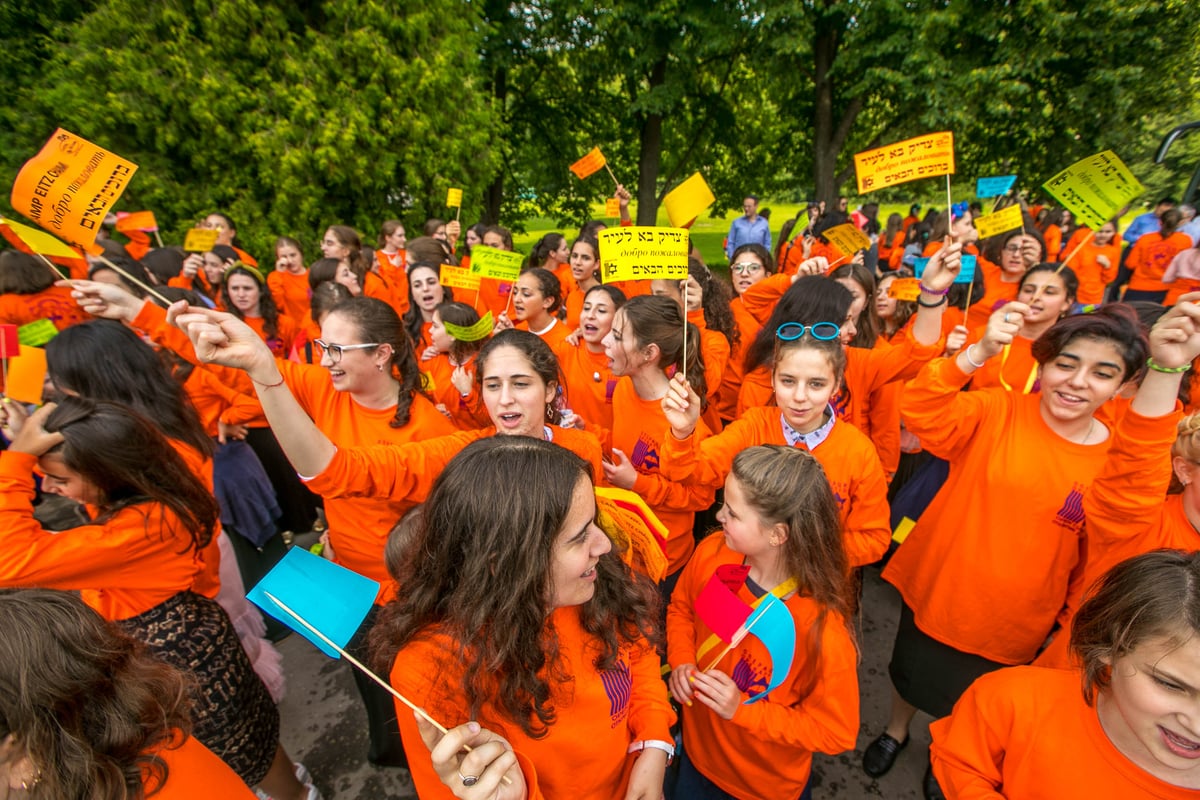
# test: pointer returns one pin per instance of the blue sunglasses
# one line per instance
(825, 331)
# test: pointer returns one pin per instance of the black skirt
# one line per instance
(232, 713)
(929, 674)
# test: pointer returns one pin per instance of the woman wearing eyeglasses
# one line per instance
(749, 265)
(366, 391)
(1003, 264)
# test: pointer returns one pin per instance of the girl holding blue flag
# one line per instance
(762, 658)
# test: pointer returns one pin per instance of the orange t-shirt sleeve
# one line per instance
(938, 413)
(389, 470)
(760, 299)
(968, 746)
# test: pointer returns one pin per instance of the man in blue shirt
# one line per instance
(1148, 222)
(748, 229)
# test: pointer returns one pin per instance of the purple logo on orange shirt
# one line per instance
(1071, 513)
(749, 675)
(645, 454)
(618, 686)
(609, 388)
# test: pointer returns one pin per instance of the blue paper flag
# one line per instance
(332, 599)
(994, 187)
(777, 631)
(966, 272)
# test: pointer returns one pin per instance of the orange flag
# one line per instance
(589, 164)
(69, 186)
(136, 221)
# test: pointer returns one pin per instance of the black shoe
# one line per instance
(930, 786)
(881, 754)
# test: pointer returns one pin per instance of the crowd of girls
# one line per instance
(555, 481)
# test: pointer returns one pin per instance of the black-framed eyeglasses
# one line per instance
(825, 331)
(335, 351)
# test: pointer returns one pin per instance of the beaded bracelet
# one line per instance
(927, 290)
(1154, 365)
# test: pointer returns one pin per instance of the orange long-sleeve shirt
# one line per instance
(285, 335)
(394, 271)
(997, 292)
(465, 412)
(409, 471)
(849, 459)
(986, 570)
(1150, 257)
(122, 568)
(637, 431)
(216, 402)
(1052, 235)
(1093, 276)
(1015, 368)
(735, 370)
(714, 349)
(1026, 732)
(290, 292)
(1125, 509)
(598, 713)
(54, 304)
(196, 773)
(765, 751)
(589, 383)
(359, 527)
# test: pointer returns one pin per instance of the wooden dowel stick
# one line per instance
(126, 275)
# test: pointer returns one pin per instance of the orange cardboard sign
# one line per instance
(27, 375)
(904, 289)
(69, 186)
(589, 164)
(612, 207)
(922, 157)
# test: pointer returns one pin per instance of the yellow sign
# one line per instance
(39, 241)
(471, 333)
(685, 202)
(1095, 189)
(612, 207)
(923, 157)
(69, 186)
(490, 262)
(200, 240)
(454, 198)
(904, 289)
(634, 253)
(589, 164)
(457, 278)
(1002, 221)
(847, 238)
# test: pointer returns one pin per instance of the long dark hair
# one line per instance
(378, 322)
(103, 360)
(539, 355)
(111, 446)
(867, 323)
(654, 319)
(483, 581)
(86, 702)
(811, 299)
(714, 300)
(413, 320)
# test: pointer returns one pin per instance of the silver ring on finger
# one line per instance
(1006, 313)
(468, 780)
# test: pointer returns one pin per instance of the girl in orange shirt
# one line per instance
(750, 264)
(537, 298)
(1006, 259)
(1131, 733)
(893, 314)
(28, 294)
(1016, 369)
(891, 238)
(449, 375)
(961, 231)
(645, 344)
(1151, 255)
(391, 262)
(551, 254)
(425, 294)
(980, 592)
(809, 364)
(1096, 263)
(585, 270)
(87, 713)
(244, 293)
(343, 243)
(289, 281)
(567, 678)
(780, 535)
(587, 376)
(137, 562)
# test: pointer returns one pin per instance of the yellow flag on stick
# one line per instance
(491, 262)
(200, 240)
(1095, 189)
(69, 186)
(454, 198)
(687, 200)
(921, 157)
(847, 238)
(643, 253)
(136, 221)
(1002, 221)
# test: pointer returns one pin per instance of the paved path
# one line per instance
(323, 721)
